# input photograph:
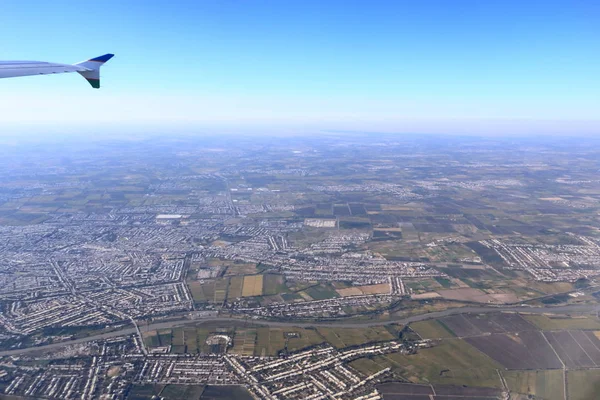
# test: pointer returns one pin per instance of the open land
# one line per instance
(339, 266)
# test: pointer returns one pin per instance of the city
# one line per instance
(170, 267)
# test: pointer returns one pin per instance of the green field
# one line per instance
(269, 342)
(244, 342)
(584, 384)
(347, 337)
(274, 284)
(431, 329)
(452, 362)
(548, 384)
(174, 392)
(368, 366)
(236, 284)
(307, 338)
(144, 392)
(323, 291)
(555, 323)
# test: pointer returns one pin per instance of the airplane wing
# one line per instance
(89, 69)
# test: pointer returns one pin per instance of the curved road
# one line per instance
(578, 308)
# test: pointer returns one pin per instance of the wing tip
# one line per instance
(103, 58)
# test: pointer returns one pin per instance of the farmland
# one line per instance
(525, 350)
(367, 289)
(252, 286)
(583, 384)
(431, 329)
(348, 337)
(545, 384)
(549, 323)
(224, 250)
(436, 392)
(576, 348)
(473, 324)
(453, 361)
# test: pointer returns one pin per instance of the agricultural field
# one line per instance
(274, 284)
(451, 362)
(269, 342)
(209, 291)
(476, 324)
(381, 288)
(298, 339)
(233, 267)
(264, 340)
(220, 294)
(550, 323)
(321, 291)
(431, 329)
(544, 384)
(367, 366)
(144, 392)
(575, 348)
(477, 295)
(409, 391)
(174, 392)
(524, 350)
(182, 340)
(252, 286)
(347, 337)
(244, 342)
(583, 384)
(219, 392)
(235, 288)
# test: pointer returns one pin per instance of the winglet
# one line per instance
(91, 69)
(103, 58)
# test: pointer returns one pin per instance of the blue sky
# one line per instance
(489, 67)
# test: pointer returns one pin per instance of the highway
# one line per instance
(577, 308)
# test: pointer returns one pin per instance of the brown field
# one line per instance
(244, 342)
(351, 291)
(425, 296)
(367, 289)
(253, 285)
(467, 294)
(240, 268)
(376, 289)
(235, 287)
(504, 297)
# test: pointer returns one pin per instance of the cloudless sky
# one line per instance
(398, 66)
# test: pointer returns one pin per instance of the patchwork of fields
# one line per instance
(527, 350)
(404, 391)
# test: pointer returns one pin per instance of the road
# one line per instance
(577, 308)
